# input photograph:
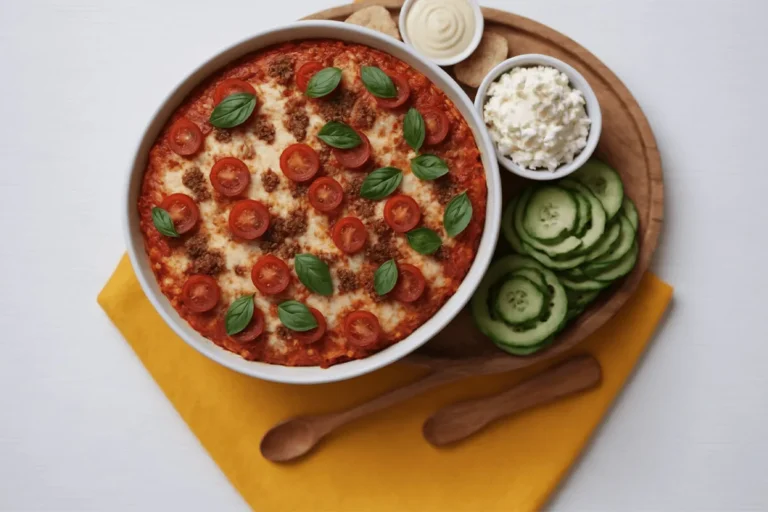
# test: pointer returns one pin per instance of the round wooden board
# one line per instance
(627, 143)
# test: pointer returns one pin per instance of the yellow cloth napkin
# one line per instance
(381, 462)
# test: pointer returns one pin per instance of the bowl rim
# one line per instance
(303, 30)
(446, 61)
(577, 81)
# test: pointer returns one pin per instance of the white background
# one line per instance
(83, 426)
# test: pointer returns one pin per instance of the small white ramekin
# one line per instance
(577, 82)
(448, 61)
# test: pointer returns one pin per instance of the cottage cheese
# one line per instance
(536, 118)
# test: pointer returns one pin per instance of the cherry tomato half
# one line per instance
(403, 92)
(436, 124)
(200, 293)
(401, 213)
(325, 194)
(410, 283)
(362, 328)
(349, 234)
(184, 137)
(313, 335)
(248, 219)
(271, 275)
(253, 330)
(231, 86)
(305, 73)
(183, 211)
(230, 176)
(299, 162)
(354, 158)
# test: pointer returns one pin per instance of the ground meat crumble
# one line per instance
(281, 68)
(264, 129)
(281, 228)
(296, 120)
(270, 180)
(347, 280)
(363, 115)
(194, 180)
(204, 260)
(338, 106)
(222, 134)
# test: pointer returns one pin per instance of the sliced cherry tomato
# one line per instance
(402, 213)
(253, 330)
(437, 125)
(305, 73)
(183, 211)
(200, 293)
(403, 92)
(248, 219)
(349, 234)
(356, 157)
(185, 138)
(299, 162)
(271, 275)
(313, 335)
(362, 328)
(410, 283)
(230, 176)
(231, 86)
(325, 194)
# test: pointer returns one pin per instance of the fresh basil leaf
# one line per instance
(414, 130)
(323, 82)
(163, 222)
(385, 277)
(296, 316)
(239, 315)
(377, 82)
(457, 214)
(339, 135)
(233, 110)
(424, 240)
(428, 167)
(314, 273)
(381, 182)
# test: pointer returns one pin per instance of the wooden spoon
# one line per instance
(295, 437)
(459, 421)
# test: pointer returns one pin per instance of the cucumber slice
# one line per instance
(603, 181)
(630, 212)
(598, 221)
(534, 275)
(547, 261)
(508, 335)
(623, 267)
(583, 285)
(585, 214)
(580, 299)
(519, 301)
(508, 227)
(568, 245)
(524, 351)
(606, 243)
(624, 245)
(551, 214)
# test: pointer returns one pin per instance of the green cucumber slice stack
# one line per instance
(572, 238)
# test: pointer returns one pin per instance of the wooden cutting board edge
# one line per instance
(651, 217)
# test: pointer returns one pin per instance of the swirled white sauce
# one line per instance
(440, 28)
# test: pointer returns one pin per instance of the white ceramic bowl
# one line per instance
(448, 61)
(310, 375)
(577, 82)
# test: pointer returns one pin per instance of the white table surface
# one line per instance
(84, 427)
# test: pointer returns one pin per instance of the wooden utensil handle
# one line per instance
(333, 420)
(458, 421)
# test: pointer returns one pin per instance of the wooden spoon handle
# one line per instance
(328, 422)
(461, 420)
